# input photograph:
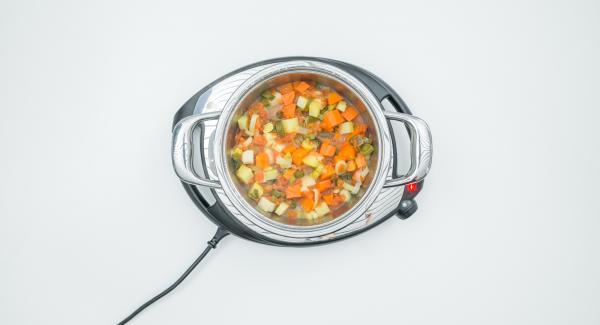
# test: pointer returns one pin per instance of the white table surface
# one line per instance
(93, 220)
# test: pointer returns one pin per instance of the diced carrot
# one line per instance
(288, 173)
(289, 149)
(360, 129)
(328, 198)
(288, 98)
(293, 191)
(334, 98)
(340, 183)
(307, 204)
(325, 126)
(327, 149)
(262, 160)
(323, 185)
(259, 140)
(259, 176)
(302, 87)
(333, 118)
(351, 166)
(328, 172)
(360, 161)
(285, 88)
(350, 113)
(298, 155)
(289, 110)
(356, 176)
(347, 152)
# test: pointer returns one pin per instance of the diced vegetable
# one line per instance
(281, 208)
(293, 191)
(350, 113)
(262, 160)
(271, 174)
(302, 87)
(245, 174)
(333, 118)
(307, 182)
(301, 102)
(248, 157)
(252, 126)
(308, 144)
(322, 209)
(346, 127)
(334, 98)
(255, 192)
(341, 106)
(243, 122)
(341, 167)
(266, 205)
(366, 149)
(268, 127)
(327, 149)
(314, 108)
(288, 98)
(311, 160)
(289, 111)
(315, 173)
(290, 125)
(345, 195)
(236, 154)
(347, 152)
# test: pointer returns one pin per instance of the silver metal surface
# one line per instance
(421, 149)
(223, 99)
(182, 150)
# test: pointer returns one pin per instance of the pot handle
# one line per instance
(421, 149)
(182, 150)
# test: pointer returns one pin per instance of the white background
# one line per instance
(93, 220)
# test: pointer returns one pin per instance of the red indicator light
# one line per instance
(412, 187)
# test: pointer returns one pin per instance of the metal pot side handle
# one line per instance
(182, 150)
(421, 149)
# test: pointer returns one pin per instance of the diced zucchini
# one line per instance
(345, 195)
(236, 154)
(314, 108)
(283, 162)
(243, 122)
(255, 192)
(312, 215)
(266, 205)
(245, 174)
(317, 172)
(366, 149)
(281, 208)
(248, 157)
(301, 102)
(341, 106)
(290, 125)
(322, 209)
(308, 144)
(346, 127)
(311, 160)
(271, 174)
(268, 127)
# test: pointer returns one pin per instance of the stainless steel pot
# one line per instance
(223, 182)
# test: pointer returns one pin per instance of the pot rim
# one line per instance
(250, 213)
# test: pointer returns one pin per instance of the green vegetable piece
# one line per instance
(366, 149)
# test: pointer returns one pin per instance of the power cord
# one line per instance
(220, 234)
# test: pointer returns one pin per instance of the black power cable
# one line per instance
(211, 245)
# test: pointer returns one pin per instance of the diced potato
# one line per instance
(346, 127)
(290, 125)
(256, 191)
(314, 108)
(281, 208)
(243, 122)
(301, 102)
(311, 160)
(245, 174)
(341, 106)
(248, 157)
(271, 174)
(266, 205)
(322, 209)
